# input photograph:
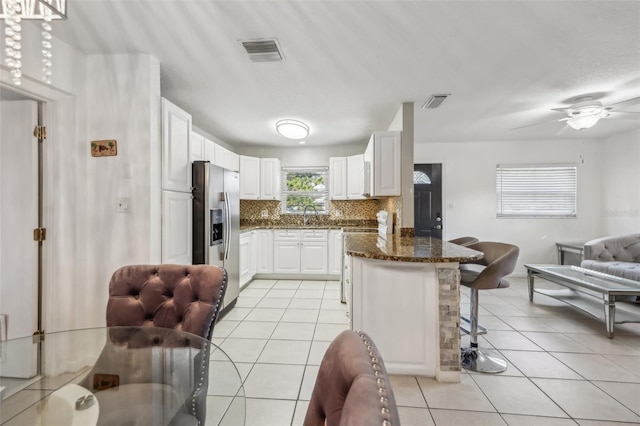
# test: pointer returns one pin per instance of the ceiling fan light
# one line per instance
(582, 122)
(292, 129)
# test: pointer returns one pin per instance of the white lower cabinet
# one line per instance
(335, 252)
(286, 257)
(300, 251)
(247, 257)
(313, 257)
(264, 251)
(253, 251)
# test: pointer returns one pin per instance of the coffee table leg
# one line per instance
(610, 315)
(530, 282)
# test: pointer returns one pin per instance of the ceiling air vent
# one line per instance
(263, 50)
(435, 101)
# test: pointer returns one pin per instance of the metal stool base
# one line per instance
(477, 360)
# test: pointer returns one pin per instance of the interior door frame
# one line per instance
(28, 365)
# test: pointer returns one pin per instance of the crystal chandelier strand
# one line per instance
(13, 39)
(13, 12)
(46, 47)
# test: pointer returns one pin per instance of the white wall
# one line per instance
(302, 155)
(469, 193)
(620, 208)
(97, 97)
(87, 239)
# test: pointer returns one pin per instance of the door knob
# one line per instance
(437, 226)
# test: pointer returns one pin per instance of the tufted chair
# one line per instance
(157, 299)
(352, 387)
(184, 297)
(485, 274)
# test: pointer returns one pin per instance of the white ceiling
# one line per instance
(350, 64)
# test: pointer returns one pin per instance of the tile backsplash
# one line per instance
(341, 213)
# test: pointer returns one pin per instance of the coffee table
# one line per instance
(597, 284)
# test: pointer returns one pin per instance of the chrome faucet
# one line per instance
(305, 219)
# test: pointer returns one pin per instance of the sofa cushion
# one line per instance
(621, 248)
(627, 270)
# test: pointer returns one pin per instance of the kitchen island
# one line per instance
(405, 293)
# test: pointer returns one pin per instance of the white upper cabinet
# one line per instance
(197, 147)
(338, 178)
(382, 164)
(226, 159)
(355, 177)
(249, 178)
(259, 178)
(346, 178)
(209, 151)
(176, 148)
(270, 173)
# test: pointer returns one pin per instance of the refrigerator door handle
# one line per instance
(227, 221)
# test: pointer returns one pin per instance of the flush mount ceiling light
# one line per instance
(292, 129)
(13, 12)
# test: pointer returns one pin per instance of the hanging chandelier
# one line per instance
(13, 12)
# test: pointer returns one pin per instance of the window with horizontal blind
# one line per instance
(537, 190)
(303, 187)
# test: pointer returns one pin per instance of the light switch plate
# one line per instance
(265, 214)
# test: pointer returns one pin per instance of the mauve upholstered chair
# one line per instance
(183, 297)
(158, 299)
(488, 273)
(352, 387)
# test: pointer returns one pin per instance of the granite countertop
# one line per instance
(407, 249)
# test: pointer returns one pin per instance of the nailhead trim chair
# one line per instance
(171, 297)
(488, 273)
(352, 387)
(183, 297)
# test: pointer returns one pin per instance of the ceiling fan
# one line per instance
(586, 112)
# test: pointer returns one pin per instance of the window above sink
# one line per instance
(305, 187)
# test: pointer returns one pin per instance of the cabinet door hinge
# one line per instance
(39, 234)
(40, 132)
(38, 336)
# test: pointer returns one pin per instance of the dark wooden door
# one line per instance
(427, 186)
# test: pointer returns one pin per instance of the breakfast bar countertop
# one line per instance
(407, 249)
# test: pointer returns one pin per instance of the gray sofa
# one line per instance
(615, 255)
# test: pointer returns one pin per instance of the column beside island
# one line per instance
(405, 293)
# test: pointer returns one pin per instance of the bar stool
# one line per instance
(486, 274)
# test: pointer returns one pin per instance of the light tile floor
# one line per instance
(563, 370)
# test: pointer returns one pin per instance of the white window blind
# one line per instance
(547, 190)
(303, 187)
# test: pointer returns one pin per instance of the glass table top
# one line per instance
(109, 375)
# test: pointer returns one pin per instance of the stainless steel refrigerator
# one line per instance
(216, 222)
